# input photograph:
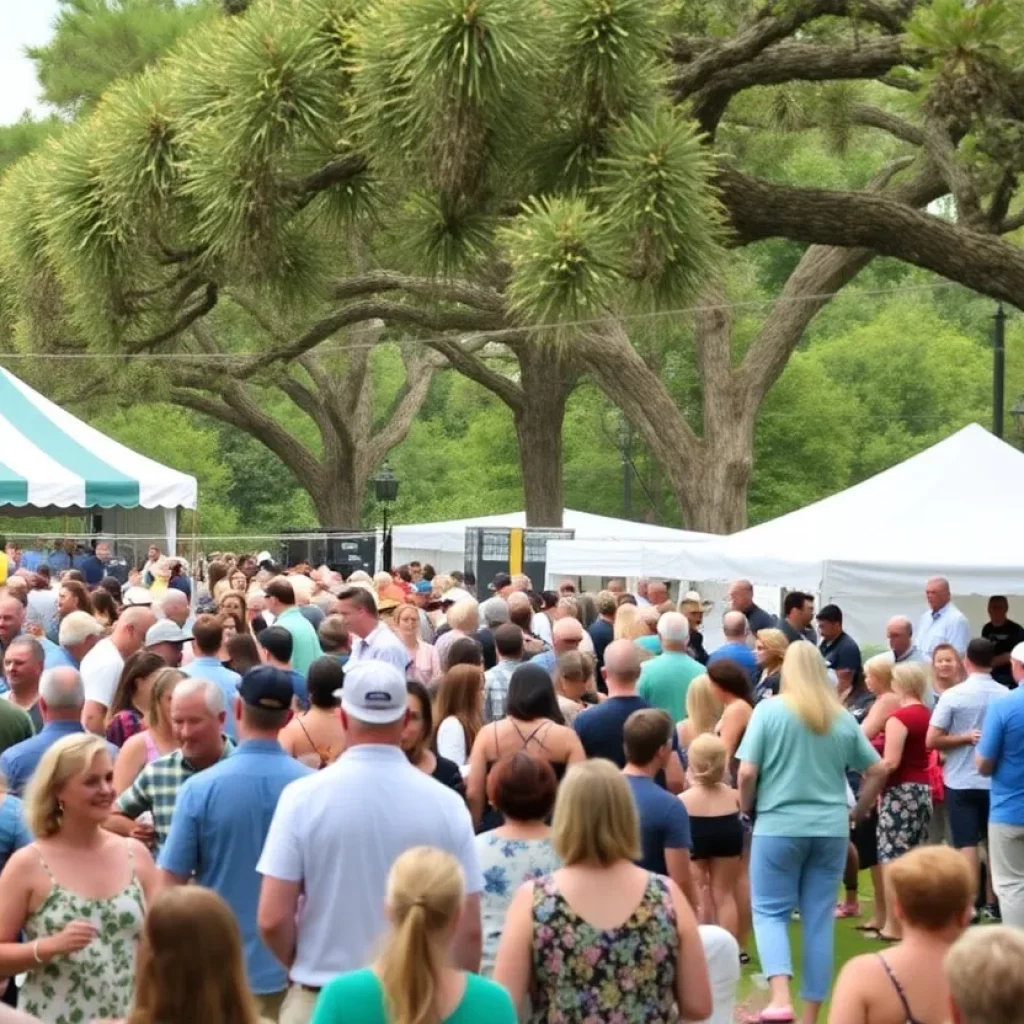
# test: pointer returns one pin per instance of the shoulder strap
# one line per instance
(897, 986)
(43, 864)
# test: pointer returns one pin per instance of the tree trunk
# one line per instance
(547, 380)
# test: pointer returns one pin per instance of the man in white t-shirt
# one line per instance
(336, 834)
(101, 668)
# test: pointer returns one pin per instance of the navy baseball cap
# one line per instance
(267, 687)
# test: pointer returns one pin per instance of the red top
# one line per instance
(914, 763)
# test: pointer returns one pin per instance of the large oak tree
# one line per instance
(501, 175)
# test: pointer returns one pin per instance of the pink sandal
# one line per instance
(847, 910)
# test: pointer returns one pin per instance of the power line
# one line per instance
(484, 334)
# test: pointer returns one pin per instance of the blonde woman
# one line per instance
(716, 829)
(769, 650)
(424, 663)
(906, 809)
(569, 935)
(411, 982)
(158, 739)
(793, 762)
(878, 677)
(78, 892)
(986, 984)
(629, 624)
(703, 712)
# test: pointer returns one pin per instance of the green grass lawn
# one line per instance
(848, 943)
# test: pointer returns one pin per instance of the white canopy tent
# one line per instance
(953, 510)
(443, 544)
(54, 464)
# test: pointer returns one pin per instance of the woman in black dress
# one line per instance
(416, 741)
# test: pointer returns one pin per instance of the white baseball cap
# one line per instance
(166, 632)
(1017, 654)
(137, 597)
(374, 692)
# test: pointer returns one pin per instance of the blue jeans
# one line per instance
(786, 874)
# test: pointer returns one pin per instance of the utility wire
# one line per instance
(484, 334)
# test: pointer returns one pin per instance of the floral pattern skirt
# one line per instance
(903, 819)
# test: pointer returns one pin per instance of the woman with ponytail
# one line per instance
(411, 982)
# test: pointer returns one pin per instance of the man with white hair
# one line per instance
(899, 634)
(197, 714)
(658, 594)
(174, 606)
(943, 623)
(79, 634)
(665, 679)
(464, 619)
(61, 697)
(335, 835)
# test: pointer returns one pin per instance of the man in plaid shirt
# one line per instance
(508, 642)
(197, 711)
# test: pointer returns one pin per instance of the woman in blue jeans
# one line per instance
(793, 762)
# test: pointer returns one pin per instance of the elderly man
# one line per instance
(197, 712)
(665, 679)
(566, 636)
(174, 605)
(61, 698)
(741, 598)
(899, 633)
(23, 668)
(943, 623)
(79, 634)
(658, 595)
(1000, 756)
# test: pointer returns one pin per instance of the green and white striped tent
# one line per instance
(53, 463)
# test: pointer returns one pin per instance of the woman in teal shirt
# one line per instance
(793, 761)
(411, 982)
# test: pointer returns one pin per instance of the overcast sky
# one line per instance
(22, 23)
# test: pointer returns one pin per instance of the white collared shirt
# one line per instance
(339, 831)
(381, 644)
(948, 625)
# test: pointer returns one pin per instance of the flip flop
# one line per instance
(865, 927)
(880, 936)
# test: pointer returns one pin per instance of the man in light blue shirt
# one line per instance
(944, 623)
(735, 648)
(306, 647)
(61, 699)
(955, 729)
(371, 639)
(222, 817)
(1001, 756)
(207, 638)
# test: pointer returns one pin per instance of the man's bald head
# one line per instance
(12, 618)
(17, 586)
(734, 626)
(898, 632)
(741, 595)
(175, 607)
(130, 630)
(657, 593)
(621, 664)
(566, 635)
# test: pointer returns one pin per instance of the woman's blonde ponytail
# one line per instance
(425, 895)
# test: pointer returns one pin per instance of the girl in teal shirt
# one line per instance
(411, 983)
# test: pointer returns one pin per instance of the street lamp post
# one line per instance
(385, 487)
(1017, 415)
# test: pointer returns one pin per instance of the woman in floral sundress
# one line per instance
(79, 892)
(602, 939)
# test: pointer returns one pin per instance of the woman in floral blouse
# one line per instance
(602, 939)
(78, 892)
(522, 787)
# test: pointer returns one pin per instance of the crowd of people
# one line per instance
(279, 795)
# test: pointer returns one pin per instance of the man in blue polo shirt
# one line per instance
(223, 814)
(207, 638)
(1000, 755)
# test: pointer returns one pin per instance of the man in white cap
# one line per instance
(166, 639)
(336, 834)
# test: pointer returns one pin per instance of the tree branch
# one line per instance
(182, 324)
(337, 172)
(378, 281)
(759, 209)
(874, 117)
(419, 373)
(476, 369)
